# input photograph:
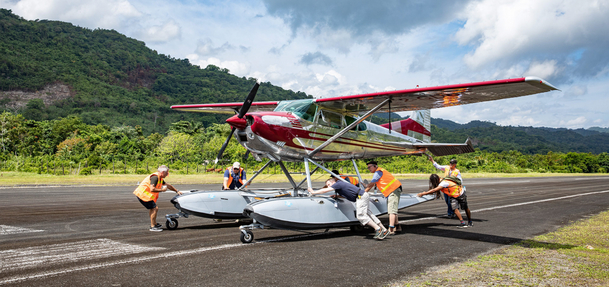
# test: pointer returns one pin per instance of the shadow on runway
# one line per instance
(432, 229)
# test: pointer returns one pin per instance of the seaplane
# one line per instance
(317, 131)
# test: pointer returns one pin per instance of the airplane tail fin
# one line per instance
(418, 126)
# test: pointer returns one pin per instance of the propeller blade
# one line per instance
(224, 145)
(248, 101)
(246, 154)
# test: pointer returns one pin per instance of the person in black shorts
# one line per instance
(452, 187)
(148, 193)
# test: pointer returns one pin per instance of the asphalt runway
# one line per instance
(98, 236)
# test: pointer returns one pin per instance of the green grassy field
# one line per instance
(574, 255)
(22, 178)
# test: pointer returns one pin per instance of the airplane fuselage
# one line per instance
(290, 136)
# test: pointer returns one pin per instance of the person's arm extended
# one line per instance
(169, 186)
(370, 186)
(226, 184)
(323, 190)
(429, 191)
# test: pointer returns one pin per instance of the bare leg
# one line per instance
(393, 220)
(469, 215)
(153, 216)
(458, 213)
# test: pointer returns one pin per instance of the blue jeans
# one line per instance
(450, 210)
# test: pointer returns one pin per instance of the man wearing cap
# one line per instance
(449, 170)
(391, 189)
(148, 193)
(234, 177)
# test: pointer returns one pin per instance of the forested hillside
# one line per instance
(107, 78)
(528, 140)
(79, 101)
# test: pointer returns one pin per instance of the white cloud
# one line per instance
(163, 33)
(108, 14)
(574, 123)
(500, 30)
(542, 70)
(234, 67)
(206, 48)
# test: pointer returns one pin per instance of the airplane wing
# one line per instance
(439, 97)
(438, 149)
(226, 108)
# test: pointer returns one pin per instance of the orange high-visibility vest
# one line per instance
(230, 176)
(143, 191)
(453, 189)
(351, 179)
(387, 184)
(448, 172)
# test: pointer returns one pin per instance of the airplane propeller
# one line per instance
(244, 108)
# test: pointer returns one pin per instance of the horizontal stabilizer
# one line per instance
(439, 149)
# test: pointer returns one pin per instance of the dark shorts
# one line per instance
(148, 204)
(459, 202)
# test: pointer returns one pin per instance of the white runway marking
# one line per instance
(229, 246)
(32, 257)
(141, 259)
(5, 230)
(512, 205)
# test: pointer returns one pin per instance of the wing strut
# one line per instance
(255, 175)
(343, 131)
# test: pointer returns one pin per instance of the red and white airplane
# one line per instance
(331, 129)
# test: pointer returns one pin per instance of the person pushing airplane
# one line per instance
(148, 193)
(452, 187)
(449, 170)
(391, 188)
(362, 200)
(234, 177)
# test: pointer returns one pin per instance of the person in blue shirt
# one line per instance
(361, 198)
(234, 177)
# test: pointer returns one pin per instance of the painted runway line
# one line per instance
(32, 257)
(512, 205)
(40, 275)
(6, 230)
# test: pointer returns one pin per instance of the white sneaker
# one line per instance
(157, 229)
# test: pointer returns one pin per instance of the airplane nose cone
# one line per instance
(236, 122)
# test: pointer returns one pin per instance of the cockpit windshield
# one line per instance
(302, 108)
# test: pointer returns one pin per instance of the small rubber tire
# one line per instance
(171, 223)
(247, 236)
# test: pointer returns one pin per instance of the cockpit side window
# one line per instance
(360, 127)
(302, 108)
(331, 119)
(309, 115)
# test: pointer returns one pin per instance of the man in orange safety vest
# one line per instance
(391, 189)
(148, 193)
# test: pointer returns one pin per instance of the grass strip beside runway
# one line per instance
(12, 179)
(574, 255)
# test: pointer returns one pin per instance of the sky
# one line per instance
(346, 47)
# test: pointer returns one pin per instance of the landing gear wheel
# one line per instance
(247, 236)
(171, 223)
(357, 228)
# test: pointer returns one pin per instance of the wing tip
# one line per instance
(540, 82)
